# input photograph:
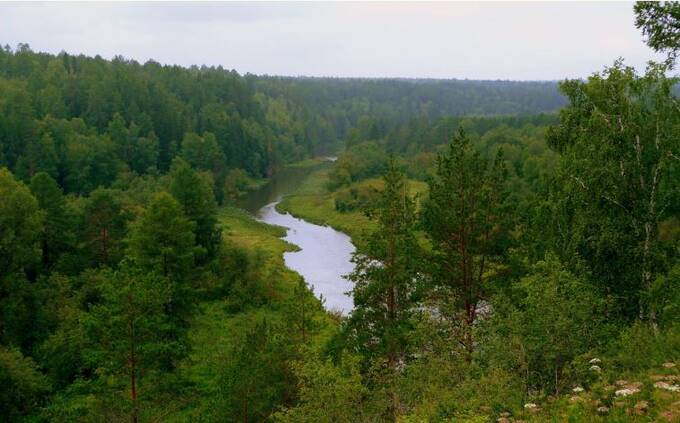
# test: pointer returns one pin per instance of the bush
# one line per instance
(355, 198)
(640, 347)
(362, 161)
(663, 298)
(559, 317)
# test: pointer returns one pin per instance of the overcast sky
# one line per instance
(439, 40)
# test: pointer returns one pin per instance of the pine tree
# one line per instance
(104, 226)
(196, 197)
(386, 279)
(162, 239)
(57, 236)
(130, 331)
(465, 220)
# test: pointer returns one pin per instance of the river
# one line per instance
(324, 254)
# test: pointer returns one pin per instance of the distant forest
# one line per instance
(67, 114)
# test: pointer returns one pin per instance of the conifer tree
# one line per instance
(104, 226)
(196, 197)
(131, 332)
(161, 239)
(57, 235)
(386, 279)
(465, 220)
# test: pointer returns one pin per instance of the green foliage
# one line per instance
(21, 222)
(40, 156)
(162, 239)
(466, 217)
(99, 312)
(659, 23)
(640, 347)
(104, 226)
(618, 178)
(90, 162)
(131, 335)
(21, 225)
(61, 353)
(138, 152)
(328, 393)
(196, 197)
(557, 318)
(22, 386)
(302, 313)
(362, 161)
(663, 298)
(202, 152)
(235, 183)
(384, 274)
(57, 236)
(355, 198)
(255, 375)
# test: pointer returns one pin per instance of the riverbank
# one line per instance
(314, 202)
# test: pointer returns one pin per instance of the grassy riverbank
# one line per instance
(314, 202)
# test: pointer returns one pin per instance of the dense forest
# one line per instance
(518, 244)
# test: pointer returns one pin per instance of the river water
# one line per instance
(324, 256)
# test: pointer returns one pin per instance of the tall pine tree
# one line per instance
(465, 220)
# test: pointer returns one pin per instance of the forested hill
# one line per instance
(68, 114)
(401, 99)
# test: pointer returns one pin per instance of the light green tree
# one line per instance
(618, 179)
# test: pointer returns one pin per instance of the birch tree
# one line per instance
(619, 178)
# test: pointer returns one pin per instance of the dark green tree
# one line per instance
(255, 377)
(196, 197)
(558, 316)
(162, 239)
(465, 217)
(131, 336)
(22, 386)
(386, 280)
(104, 226)
(40, 156)
(57, 236)
(21, 224)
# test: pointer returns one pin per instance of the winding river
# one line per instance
(324, 253)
